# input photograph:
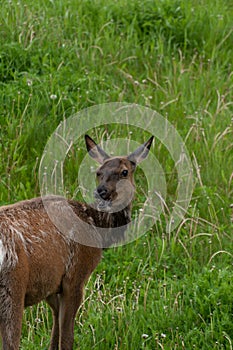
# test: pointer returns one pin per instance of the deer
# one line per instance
(39, 261)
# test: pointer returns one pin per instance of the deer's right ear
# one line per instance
(95, 151)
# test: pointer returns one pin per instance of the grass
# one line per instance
(58, 57)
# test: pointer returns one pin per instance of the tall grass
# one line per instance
(58, 57)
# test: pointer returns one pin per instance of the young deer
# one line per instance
(40, 262)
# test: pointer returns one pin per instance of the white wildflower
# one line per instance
(145, 336)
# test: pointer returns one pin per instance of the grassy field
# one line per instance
(58, 57)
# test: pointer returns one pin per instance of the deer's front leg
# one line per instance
(70, 301)
(53, 301)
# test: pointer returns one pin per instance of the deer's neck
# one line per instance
(110, 227)
(113, 220)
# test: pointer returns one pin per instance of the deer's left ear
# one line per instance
(141, 152)
(95, 151)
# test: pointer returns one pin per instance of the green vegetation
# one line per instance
(58, 57)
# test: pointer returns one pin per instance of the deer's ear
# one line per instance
(141, 152)
(95, 151)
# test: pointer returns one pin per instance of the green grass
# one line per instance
(58, 57)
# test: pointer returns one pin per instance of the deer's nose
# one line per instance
(102, 192)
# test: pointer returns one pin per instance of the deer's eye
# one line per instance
(98, 174)
(124, 173)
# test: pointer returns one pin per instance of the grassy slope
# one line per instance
(175, 57)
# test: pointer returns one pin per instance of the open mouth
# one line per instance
(102, 204)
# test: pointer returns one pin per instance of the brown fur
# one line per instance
(38, 261)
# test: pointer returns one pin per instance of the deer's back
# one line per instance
(30, 244)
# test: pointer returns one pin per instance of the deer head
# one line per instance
(115, 183)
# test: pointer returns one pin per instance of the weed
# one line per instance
(162, 291)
